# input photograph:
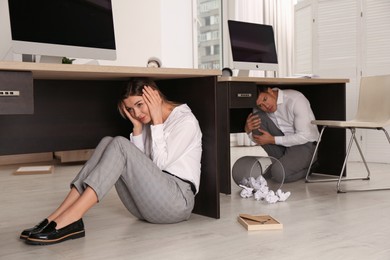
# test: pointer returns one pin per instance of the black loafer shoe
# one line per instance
(51, 235)
(38, 228)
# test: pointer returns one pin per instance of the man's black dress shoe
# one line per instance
(36, 229)
(51, 235)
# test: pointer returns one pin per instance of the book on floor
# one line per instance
(35, 169)
(259, 222)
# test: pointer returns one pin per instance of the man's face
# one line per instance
(267, 101)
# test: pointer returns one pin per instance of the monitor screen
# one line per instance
(63, 28)
(253, 46)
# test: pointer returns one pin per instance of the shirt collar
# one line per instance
(280, 96)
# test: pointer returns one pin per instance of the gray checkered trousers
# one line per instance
(146, 191)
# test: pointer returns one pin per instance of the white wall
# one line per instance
(137, 31)
(151, 28)
(177, 33)
(5, 31)
(143, 29)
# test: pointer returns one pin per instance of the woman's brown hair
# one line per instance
(134, 87)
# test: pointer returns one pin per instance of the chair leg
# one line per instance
(361, 154)
(308, 180)
(340, 178)
(353, 138)
(387, 135)
(314, 156)
(365, 163)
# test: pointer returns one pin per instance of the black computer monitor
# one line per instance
(63, 28)
(253, 46)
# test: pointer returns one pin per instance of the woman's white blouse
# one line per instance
(174, 146)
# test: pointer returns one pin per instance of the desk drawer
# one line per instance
(242, 95)
(16, 93)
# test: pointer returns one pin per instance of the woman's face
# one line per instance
(137, 108)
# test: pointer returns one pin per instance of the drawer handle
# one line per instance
(9, 93)
(244, 95)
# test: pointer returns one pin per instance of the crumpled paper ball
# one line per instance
(259, 189)
(246, 192)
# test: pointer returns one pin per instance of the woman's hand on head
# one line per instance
(154, 102)
(137, 125)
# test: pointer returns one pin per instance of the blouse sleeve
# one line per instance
(138, 141)
(169, 147)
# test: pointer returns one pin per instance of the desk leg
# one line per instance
(223, 135)
(200, 95)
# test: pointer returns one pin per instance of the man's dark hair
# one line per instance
(262, 89)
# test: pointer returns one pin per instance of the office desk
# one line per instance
(74, 106)
(237, 96)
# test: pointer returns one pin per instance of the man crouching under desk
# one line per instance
(281, 124)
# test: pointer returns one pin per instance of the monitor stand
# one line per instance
(267, 74)
(243, 73)
(28, 58)
(50, 59)
(41, 58)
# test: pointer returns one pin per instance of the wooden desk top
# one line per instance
(98, 72)
(282, 81)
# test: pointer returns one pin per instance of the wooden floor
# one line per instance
(318, 223)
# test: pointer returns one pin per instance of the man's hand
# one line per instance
(265, 138)
(252, 122)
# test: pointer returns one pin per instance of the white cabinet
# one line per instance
(347, 39)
